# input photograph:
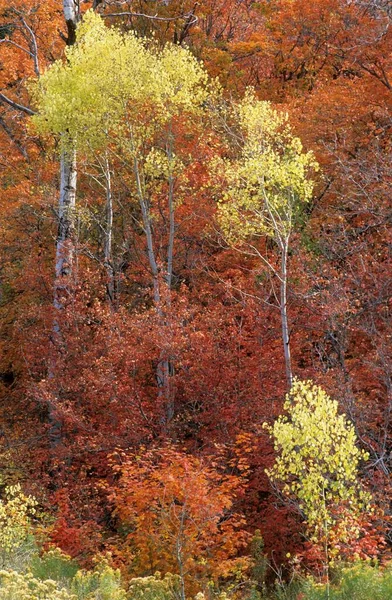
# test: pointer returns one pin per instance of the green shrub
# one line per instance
(359, 582)
(288, 591)
(54, 565)
(104, 583)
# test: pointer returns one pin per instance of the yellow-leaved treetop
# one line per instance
(266, 188)
(108, 77)
(317, 461)
(269, 183)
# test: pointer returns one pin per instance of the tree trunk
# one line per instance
(108, 258)
(163, 366)
(71, 10)
(283, 313)
(64, 240)
(172, 225)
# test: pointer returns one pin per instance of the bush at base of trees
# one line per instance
(359, 582)
(55, 576)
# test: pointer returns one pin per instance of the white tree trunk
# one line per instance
(66, 216)
(163, 367)
(71, 10)
(108, 258)
(283, 314)
(172, 224)
(64, 240)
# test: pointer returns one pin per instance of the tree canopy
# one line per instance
(195, 239)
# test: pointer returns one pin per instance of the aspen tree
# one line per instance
(267, 186)
(317, 463)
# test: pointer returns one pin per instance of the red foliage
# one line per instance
(329, 63)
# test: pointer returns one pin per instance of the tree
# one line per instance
(267, 188)
(317, 465)
(179, 512)
(68, 178)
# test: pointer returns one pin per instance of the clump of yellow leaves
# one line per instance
(159, 165)
(16, 540)
(269, 182)
(317, 459)
(103, 582)
(108, 80)
(155, 587)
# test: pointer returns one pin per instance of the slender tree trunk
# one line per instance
(179, 554)
(163, 366)
(67, 197)
(281, 225)
(108, 257)
(172, 225)
(283, 313)
(148, 233)
(167, 365)
(63, 268)
(71, 10)
(172, 228)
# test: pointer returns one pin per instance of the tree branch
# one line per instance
(16, 106)
(7, 41)
(152, 17)
(34, 52)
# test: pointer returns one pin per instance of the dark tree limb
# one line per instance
(16, 106)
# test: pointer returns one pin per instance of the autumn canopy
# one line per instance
(195, 299)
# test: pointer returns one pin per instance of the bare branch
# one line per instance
(16, 106)
(34, 53)
(152, 17)
(7, 41)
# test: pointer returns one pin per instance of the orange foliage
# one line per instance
(180, 513)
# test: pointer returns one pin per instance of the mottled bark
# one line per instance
(64, 240)
(71, 11)
(66, 215)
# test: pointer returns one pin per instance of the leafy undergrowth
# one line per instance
(361, 581)
(54, 576)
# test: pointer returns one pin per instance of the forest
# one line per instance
(195, 300)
